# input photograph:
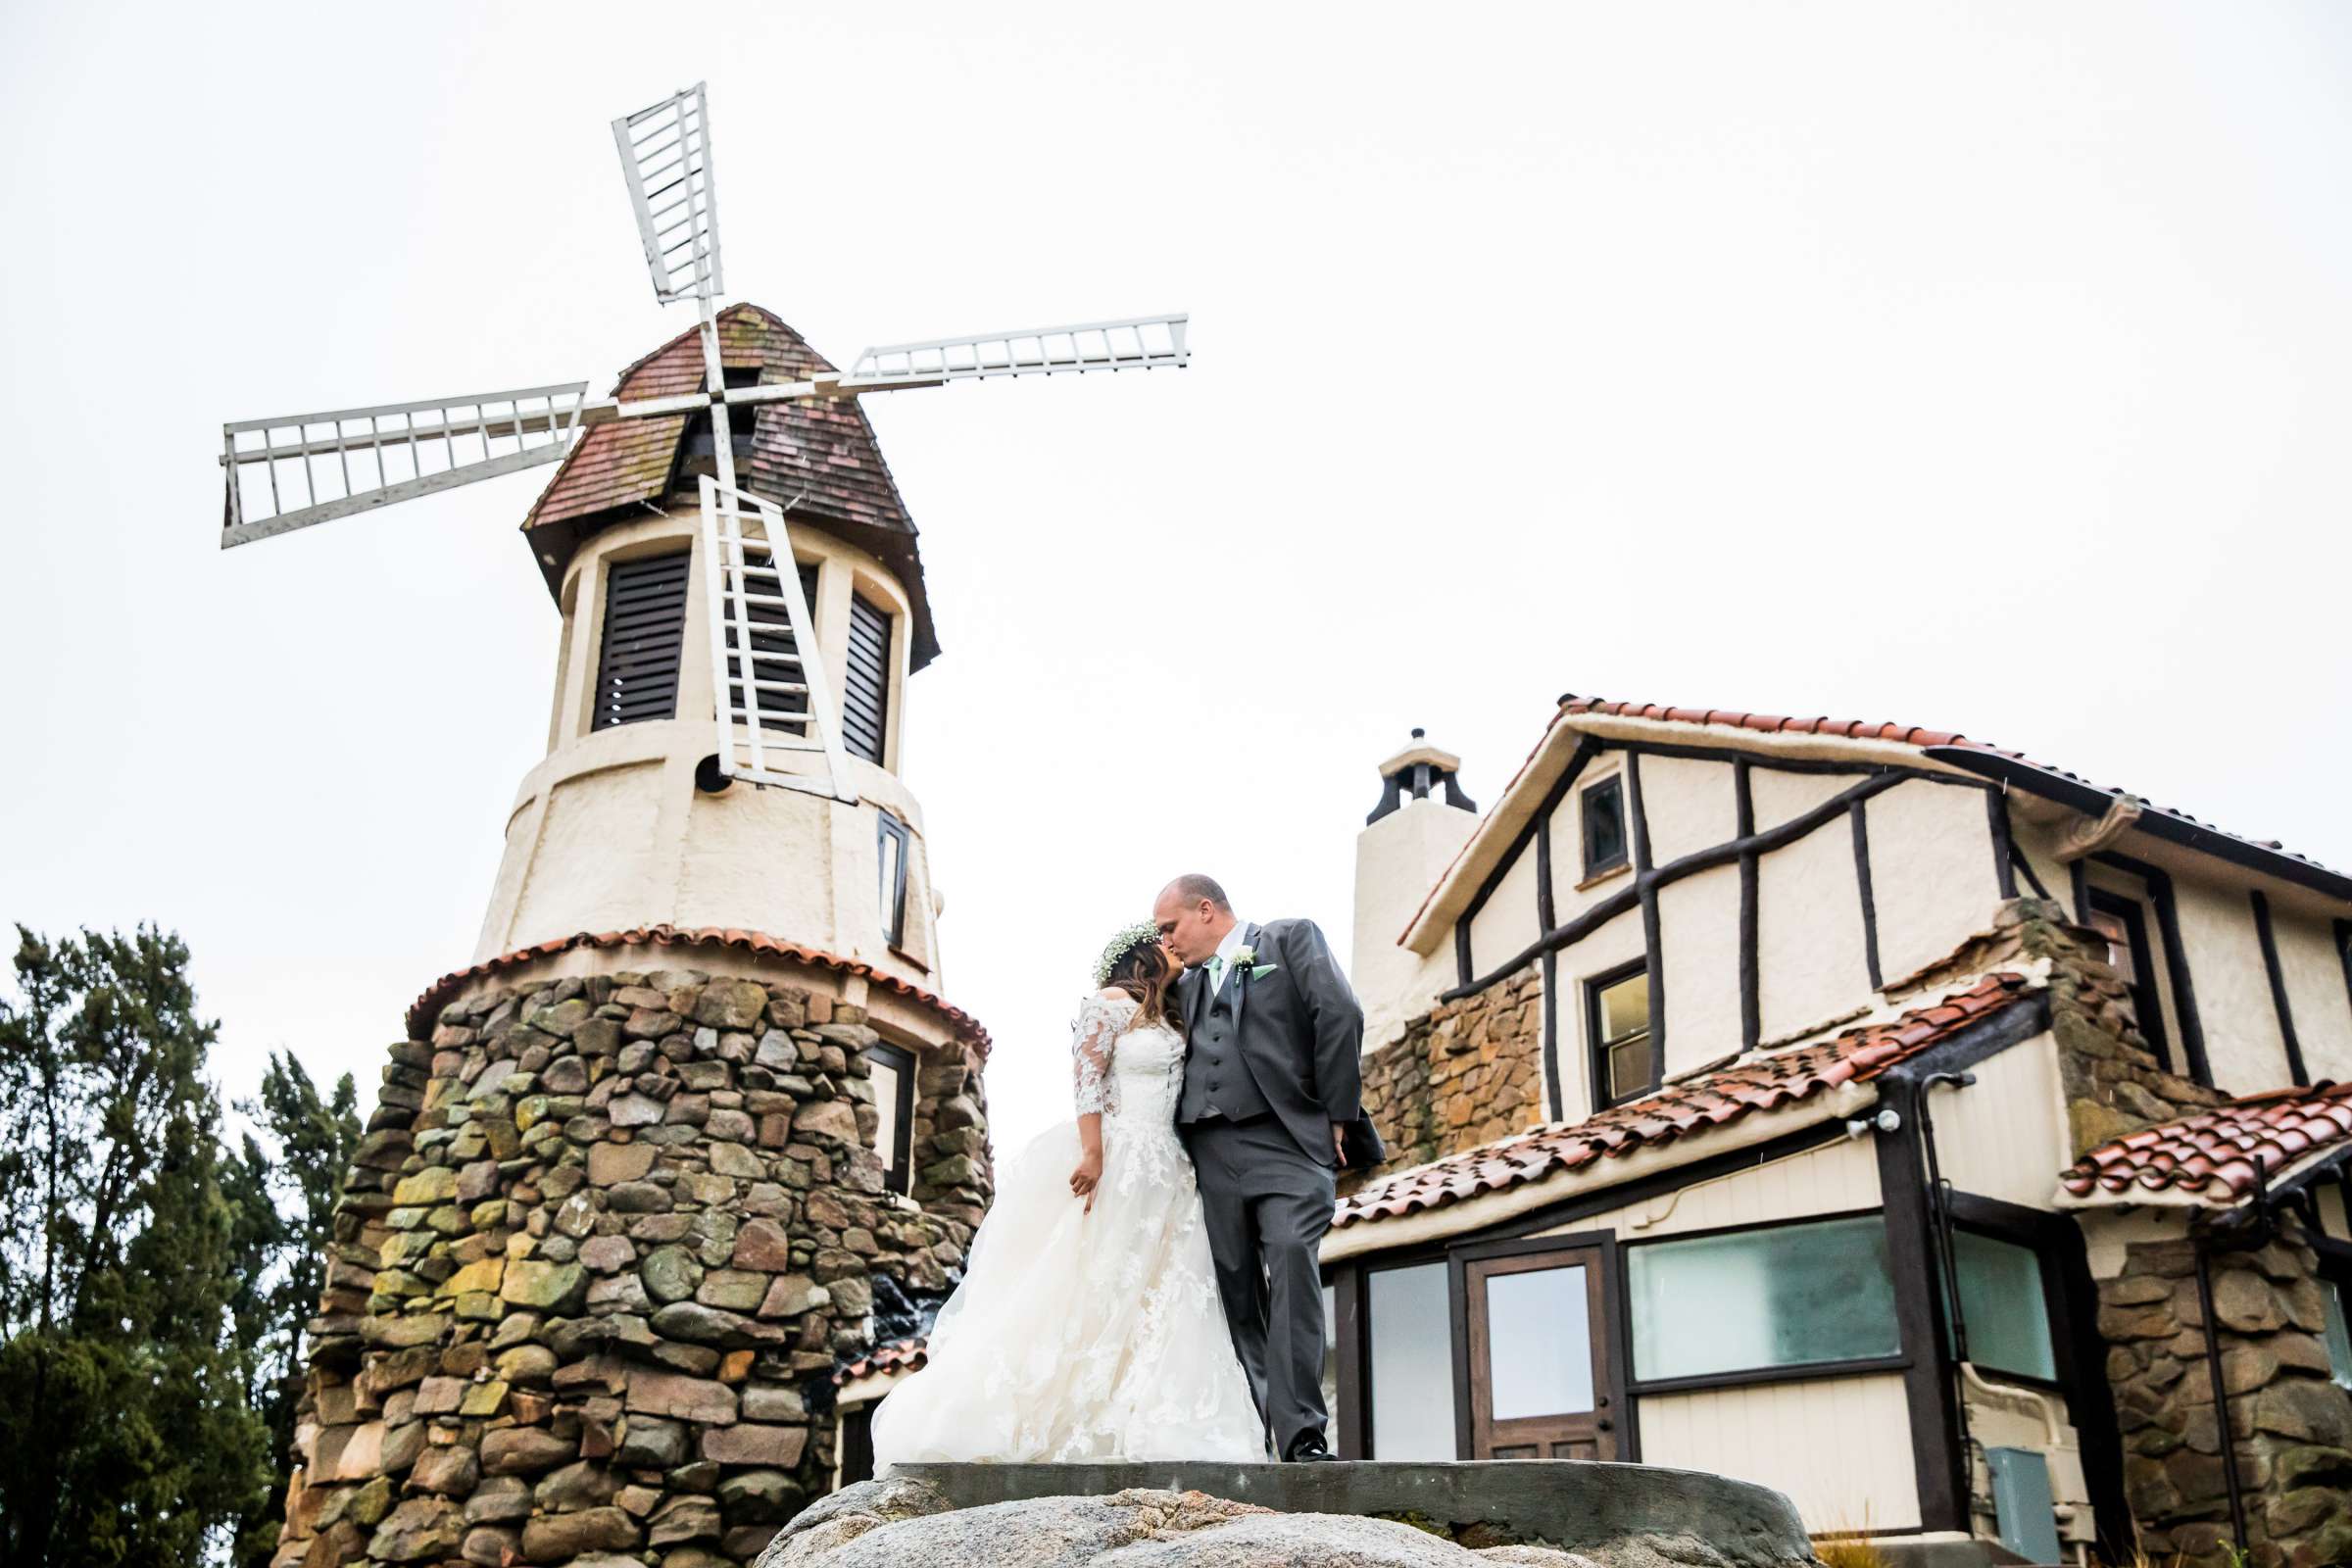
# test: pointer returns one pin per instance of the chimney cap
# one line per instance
(1419, 751)
(1414, 772)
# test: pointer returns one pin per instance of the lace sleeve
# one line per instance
(1095, 1031)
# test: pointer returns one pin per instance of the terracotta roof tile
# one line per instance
(899, 1356)
(426, 1009)
(1772, 723)
(2218, 1156)
(1690, 1109)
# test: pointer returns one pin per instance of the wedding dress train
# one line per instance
(1086, 1335)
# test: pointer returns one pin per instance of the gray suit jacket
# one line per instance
(1299, 1030)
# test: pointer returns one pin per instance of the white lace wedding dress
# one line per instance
(1079, 1336)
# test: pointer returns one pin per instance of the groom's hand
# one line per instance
(1338, 1143)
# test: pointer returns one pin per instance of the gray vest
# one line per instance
(1215, 1078)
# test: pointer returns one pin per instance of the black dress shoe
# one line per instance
(1309, 1449)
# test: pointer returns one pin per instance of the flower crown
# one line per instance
(1124, 942)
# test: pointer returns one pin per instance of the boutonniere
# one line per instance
(1244, 959)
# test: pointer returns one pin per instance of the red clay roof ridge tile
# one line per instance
(1757, 1082)
(2216, 1158)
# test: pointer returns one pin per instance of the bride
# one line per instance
(1088, 1325)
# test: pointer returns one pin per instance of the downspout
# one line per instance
(2220, 1398)
(1939, 1214)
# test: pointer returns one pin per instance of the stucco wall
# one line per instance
(2313, 966)
(1690, 805)
(1506, 925)
(1698, 929)
(1808, 931)
(609, 831)
(1398, 860)
(2242, 1041)
(1933, 876)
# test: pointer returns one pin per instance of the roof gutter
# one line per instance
(2172, 827)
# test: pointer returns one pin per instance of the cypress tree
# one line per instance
(126, 1436)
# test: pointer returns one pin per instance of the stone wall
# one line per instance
(1461, 1074)
(605, 1242)
(2291, 1426)
(2111, 1079)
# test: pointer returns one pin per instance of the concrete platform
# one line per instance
(1575, 1504)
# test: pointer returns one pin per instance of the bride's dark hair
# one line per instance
(1146, 973)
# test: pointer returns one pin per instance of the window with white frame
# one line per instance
(1617, 1022)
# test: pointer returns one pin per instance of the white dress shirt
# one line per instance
(1233, 941)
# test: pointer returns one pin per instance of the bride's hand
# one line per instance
(1087, 1177)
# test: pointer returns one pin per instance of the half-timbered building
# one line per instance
(1864, 1110)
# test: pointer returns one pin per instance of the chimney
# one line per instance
(1411, 837)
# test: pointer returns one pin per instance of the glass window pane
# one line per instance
(892, 847)
(1625, 1007)
(1783, 1296)
(1412, 1364)
(2339, 1338)
(1629, 1067)
(885, 1078)
(1539, 1343)
(2119, 945)
(1604, 825)
(2003, 1304)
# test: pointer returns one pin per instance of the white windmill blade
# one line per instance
(666, 153)
(772, 693)
(290, 472)
(1135, 343)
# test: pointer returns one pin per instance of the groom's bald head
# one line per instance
(1193, 915)
(1193, 888)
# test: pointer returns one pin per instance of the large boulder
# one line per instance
(896, 1522)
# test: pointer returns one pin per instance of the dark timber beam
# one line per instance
(1647, 883)
(1752, 987)
(1645, 890)
(2279, 1000)
(2159, 883)
(1870, 903)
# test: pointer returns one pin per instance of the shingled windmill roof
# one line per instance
(820, 458)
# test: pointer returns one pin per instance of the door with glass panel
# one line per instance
(1543, 1382)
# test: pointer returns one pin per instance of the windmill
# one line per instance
(291, 473)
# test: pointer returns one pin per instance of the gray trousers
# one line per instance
(1267, 1206)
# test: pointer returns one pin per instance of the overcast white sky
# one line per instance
(1986, 366)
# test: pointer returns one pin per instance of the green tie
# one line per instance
(1216, 971)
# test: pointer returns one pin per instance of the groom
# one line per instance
(1270, 1079)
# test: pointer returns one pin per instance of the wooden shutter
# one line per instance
(644, 634)
(866, 695)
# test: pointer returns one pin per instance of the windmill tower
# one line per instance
(694, 1125)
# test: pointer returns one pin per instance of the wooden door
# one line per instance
(1540, 1374)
